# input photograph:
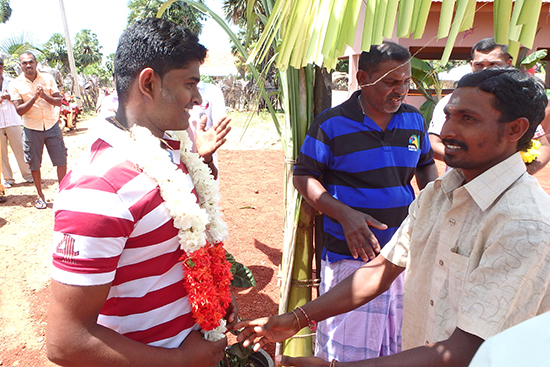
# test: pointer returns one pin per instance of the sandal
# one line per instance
(3, 198)
(40, 204)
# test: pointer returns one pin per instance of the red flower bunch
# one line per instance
(207, 275)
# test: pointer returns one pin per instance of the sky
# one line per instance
(39, 19)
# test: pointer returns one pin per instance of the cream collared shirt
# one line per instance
(42, 115)
(477, 255)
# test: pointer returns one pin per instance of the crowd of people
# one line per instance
(405, 281)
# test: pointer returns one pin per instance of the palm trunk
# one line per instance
(296, 267)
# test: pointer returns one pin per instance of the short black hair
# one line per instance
(516, 94)
(487, 45)
(27, 53)
(156, 43)
(369, 61)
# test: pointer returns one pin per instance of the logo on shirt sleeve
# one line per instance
(414, 143)
(66, 249)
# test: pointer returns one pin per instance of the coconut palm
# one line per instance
(179, 12)
(5, 11)
(55, 52)
(86, 49)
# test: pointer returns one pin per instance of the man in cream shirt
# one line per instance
(35, 95)
(476, 243)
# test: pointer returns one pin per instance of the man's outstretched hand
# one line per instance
(266, 330)
(209, 141)
(301, 361)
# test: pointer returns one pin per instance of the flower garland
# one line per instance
(201, 229)
(532, 152)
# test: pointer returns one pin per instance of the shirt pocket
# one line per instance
(457, 272)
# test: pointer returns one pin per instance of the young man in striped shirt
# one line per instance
(117, 295)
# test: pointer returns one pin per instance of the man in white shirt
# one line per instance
(12, 132)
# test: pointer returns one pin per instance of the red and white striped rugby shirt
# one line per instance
(111, 226)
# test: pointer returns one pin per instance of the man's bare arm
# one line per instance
(75, 339)
(437, 146)
(457, 351)
(365, 284)
(24, 107)
(426, 175)
(361, 241)
(54, 99)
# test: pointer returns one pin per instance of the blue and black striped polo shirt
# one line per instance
(364, 167)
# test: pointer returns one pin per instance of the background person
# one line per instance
(485, 54)
(35, 95)
(203, 116)
(11, 132)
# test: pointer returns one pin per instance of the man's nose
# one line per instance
(197, 98)
(447, 130)
(402, 88)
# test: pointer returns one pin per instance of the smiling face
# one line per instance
(28, 65)
(177, 96)
(474, 138)
(383, 91)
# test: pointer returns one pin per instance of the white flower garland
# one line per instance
(196, 224)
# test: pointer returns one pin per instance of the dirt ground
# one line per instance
(251, 183)
(251, 180)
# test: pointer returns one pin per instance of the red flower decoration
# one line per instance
(207, 275)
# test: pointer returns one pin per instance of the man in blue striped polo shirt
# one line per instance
(356, 166)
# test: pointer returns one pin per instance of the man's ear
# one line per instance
(517, 128)
(362, 77)
(148, 82)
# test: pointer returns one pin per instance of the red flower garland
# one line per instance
(207, 276)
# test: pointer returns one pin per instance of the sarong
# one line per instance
(370, 331)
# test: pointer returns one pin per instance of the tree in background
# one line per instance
(179, 13)
(55, 53)
(110, 64)
(5, 11)
(87, 50)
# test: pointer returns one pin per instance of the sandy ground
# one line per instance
(25, 238)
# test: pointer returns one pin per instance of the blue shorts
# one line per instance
(33, 146)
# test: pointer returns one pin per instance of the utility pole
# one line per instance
(72, 66)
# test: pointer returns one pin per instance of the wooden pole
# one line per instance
(76, 87)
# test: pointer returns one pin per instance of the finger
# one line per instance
(369, 252)
(251, 323)
(202, 123)
(219, 144)
(364, 253)
(223, 133)
(376, 224)
(353, 250)
(374, 244)
(222, 124)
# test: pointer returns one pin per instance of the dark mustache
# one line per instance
(455, 142)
